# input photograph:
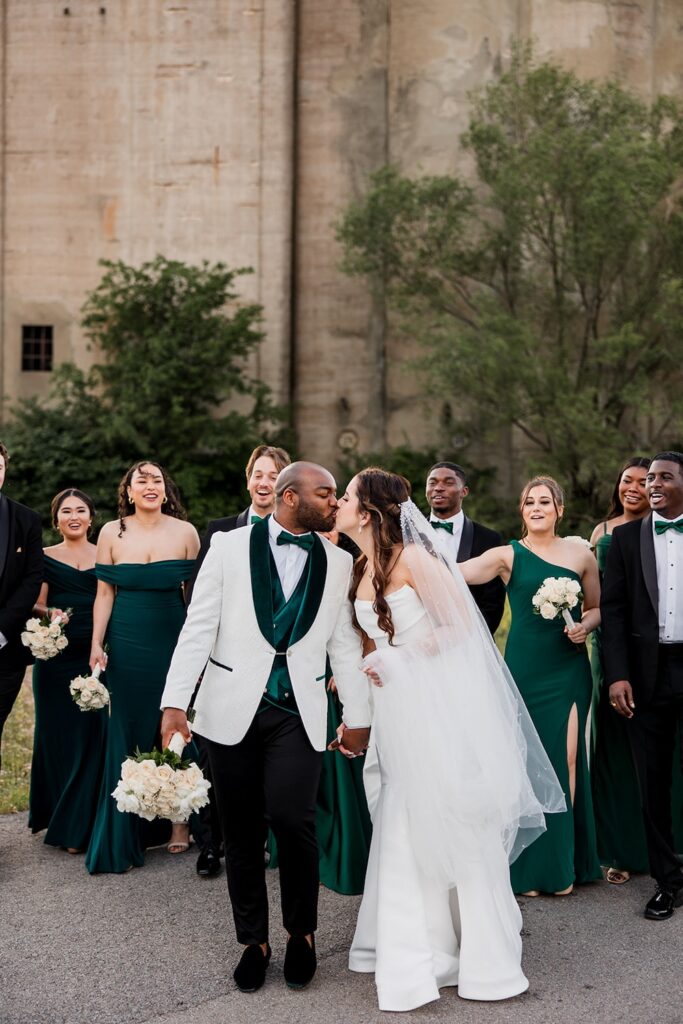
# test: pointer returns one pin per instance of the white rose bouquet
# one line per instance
(575, 539)
(45, 637)
(161, 784)
(89, 693)
(556, 596)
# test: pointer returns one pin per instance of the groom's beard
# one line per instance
(310, 517)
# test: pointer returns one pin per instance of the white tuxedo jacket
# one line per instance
(224, 636)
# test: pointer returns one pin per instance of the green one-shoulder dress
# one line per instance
(552, 674)
(147, 616)
(618, 816)
(68, 744)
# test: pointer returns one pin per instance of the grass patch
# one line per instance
(17, 748)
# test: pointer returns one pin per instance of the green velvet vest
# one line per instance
(282, 622)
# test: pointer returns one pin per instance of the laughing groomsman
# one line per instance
(446, 488)
(642, 644)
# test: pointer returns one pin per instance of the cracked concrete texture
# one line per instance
(156, 946)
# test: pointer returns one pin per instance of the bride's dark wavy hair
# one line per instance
(380, 495)
(172, 507)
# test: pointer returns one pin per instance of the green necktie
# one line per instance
(255, 519)
(661, 526)
(438, 525)
(304, 540)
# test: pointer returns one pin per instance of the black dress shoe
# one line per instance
(662, 904)
(208, 863)
(300, 962)
(250, 972)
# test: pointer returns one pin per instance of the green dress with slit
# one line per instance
(552, 674)
(618, 816)
(147, 616)
(68, 744)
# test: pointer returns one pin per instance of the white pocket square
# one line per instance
(18, 550)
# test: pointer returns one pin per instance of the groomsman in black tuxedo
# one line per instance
(21, 574)
(446, 489)
(642, 643)
(265, 462)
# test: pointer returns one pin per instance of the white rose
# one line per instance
(548, 610)
(33, 624)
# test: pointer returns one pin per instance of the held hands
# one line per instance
(372, 675)
(621, 698)
(350, 742)
(174, 720)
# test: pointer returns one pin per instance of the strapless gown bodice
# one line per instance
(407, 612)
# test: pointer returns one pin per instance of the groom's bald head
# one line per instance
(306, 497)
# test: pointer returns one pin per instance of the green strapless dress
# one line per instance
(552, 674)
(146, 619)
(342, 823)
(68, 744)
(618, 817)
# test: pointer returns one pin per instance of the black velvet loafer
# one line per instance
(662, 904)
(250, 972)
(300, 962)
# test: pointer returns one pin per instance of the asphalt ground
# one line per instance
(156, 946)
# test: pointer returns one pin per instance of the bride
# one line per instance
(456, 777)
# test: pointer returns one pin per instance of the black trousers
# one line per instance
(652, 734)
(10, 684)
(206, 826)
(271, 778)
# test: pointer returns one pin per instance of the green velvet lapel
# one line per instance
(259, 566)
(315, 585)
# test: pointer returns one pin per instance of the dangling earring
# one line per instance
(360, 526)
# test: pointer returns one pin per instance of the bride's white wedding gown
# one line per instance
(417, 934)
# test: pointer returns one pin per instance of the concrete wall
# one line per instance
(217, 129)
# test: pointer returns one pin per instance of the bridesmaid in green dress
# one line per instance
(143, 560)
(67, 743)
(618, 817)
(550, 665)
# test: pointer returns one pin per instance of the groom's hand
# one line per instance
(354, 741)
(174, 720)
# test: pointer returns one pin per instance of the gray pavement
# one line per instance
(156, 946)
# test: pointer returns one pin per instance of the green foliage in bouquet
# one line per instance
(548, 292)
(165, 756)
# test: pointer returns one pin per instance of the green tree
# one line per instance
(549, 293)
(172, 341)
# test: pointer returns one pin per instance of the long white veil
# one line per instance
(454, 734)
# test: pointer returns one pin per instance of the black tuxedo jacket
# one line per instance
(489, 597)
(215, 526)
(629, 608)
(21, 575)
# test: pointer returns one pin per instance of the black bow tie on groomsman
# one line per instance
(438, 525)
(304, 540)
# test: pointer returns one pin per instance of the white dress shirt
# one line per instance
(458, 521)
(669, 558)
(290, 559)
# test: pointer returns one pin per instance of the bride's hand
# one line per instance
(372, 675)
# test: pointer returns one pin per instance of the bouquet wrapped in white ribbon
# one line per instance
(161, 784)
(557, 595)
(45, 637)
(89, 693)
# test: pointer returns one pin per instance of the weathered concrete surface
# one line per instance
(156, 946)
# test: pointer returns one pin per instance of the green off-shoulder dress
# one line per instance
(68, 744)
(146, 619)
(618, 816)
(552, 674)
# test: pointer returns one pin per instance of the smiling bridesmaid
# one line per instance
(67, 743)
(143, 561)
(549, 663)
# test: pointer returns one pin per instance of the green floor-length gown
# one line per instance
(552, 674)
(618, 816)
(343, 822)
(146, 619)
(68, 744)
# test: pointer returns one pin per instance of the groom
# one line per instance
(270, 602)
